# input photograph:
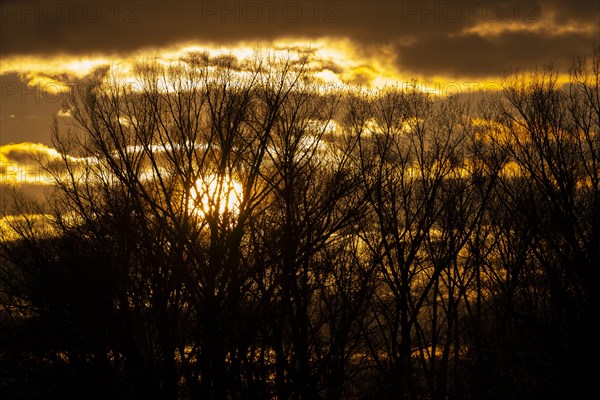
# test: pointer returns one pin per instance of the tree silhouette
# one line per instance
(217, 235)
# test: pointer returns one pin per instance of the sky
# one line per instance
(449, 46)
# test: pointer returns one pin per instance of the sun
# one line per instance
(216, 195)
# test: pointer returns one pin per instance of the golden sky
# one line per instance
(448, 46)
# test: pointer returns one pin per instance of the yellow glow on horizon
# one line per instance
(337, 62)
(11, 226)
(60, 64)
(349, 67)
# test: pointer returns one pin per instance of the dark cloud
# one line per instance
(20, 100)
(20, 156)
(473, 56)
(425, 34)
(576, 12)
(332, 66)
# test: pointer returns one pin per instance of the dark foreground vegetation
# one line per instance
(259, 237)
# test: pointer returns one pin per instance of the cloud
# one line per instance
(48, 47)
(420, 32)
(21, 163)
(63, 114)
(24, 163)
(332, 61)
(26, 152)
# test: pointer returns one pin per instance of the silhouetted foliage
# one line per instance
(214, 235)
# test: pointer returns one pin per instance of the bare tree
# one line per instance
(225, 230)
